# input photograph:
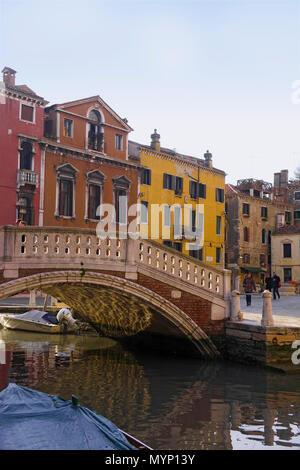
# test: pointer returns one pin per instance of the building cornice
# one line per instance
(263, 201)
(84, 155)
(181, 160)
(18, 94)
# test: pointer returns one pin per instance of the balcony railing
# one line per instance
(27, 177)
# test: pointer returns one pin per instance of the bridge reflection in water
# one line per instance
(182, 404)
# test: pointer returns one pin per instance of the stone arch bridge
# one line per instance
(133, 289)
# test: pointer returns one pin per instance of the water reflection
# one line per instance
(167, 403)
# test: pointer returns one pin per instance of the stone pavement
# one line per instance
(286, 310)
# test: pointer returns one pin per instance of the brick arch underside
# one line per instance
(117, 307)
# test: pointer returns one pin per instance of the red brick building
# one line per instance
(21, 125)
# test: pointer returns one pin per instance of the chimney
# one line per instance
(9, 76)
(155, 143)
(208, 159)
(276, 180)
(284, 178)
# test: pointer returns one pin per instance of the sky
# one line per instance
(217, 75)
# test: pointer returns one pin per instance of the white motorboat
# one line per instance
(40, 322)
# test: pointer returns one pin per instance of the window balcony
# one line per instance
(27, 177)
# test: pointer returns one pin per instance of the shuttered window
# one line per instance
(219, 195)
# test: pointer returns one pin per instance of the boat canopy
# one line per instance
(37, 316)
(32, 420)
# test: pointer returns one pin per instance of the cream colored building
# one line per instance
(286, 253)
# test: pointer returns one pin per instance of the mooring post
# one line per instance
(32, 299)
(235, 313)
(267, 315)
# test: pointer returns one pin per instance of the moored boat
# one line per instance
(32, 420)
(40, 322)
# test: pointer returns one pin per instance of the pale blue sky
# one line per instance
(208, 74)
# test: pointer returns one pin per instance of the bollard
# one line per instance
(235, 313)
(267, 316)
(32, 299)
(46, 301)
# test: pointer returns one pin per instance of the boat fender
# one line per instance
(64, 316)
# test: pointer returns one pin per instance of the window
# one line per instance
(193, 189)
(288, 217)
(168, 181)
(121, 190)
(197, 190)
(95, 132)
(193, 221)
(263, 236)
(178, 246)
(167, 216)
(198, 254)
(177, 222)
(219, 195)
(66, 197)
(287, 250)
(144, 212)
(264, 212)
(262, 259)
(246, 208)
(287, 274)
(119, 142)
(219, 222)
(246, 258)
(26, 156)
(178, 185)
(146, 176)
(68, 128)
(168, 243)
(121, 206)
(202, 190)
(297, 195)
(218, 255)
(296, 215)
(27, 113)
(66, 175)
(246, 234)
(94, 201)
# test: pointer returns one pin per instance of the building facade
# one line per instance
(252, 214)
(85, 164)
(182, 201)
(21, 126)
(286, 253)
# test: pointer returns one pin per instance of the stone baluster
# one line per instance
(267, 316)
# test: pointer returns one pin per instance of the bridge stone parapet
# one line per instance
(200, 291)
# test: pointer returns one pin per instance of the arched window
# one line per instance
(95, 131)
(94, 115)
(246, 234)
(263, 236)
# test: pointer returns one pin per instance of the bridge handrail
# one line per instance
(51, 244)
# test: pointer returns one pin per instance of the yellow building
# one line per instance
(179, 195)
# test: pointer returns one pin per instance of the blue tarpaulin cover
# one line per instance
(32, 420)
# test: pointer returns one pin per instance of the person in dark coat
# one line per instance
(249, 287)
(269, 283)
(275, 286)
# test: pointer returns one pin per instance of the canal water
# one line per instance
(168, 403)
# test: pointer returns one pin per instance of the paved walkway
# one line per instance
(286, 310)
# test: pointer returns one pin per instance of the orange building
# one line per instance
(84, 163)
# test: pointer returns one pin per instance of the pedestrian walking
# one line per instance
(268, 283)
(249, 287)
(275, 285)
